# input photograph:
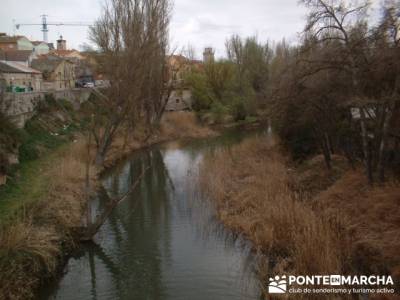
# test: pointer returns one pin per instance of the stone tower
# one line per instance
(61, 44)
(208, 55)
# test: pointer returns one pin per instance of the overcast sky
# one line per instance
(200, 23)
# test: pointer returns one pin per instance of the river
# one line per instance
(163, 242)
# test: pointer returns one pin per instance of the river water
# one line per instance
(163, 241)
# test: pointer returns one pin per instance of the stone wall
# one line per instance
(20, 107)
(75, 96)
(179, 100)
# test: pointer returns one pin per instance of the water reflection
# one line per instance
(162, 242)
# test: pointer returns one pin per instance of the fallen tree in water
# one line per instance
(93, 227)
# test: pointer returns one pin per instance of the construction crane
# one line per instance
(45, 25)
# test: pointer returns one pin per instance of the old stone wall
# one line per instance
(179, 100)
(20, 107)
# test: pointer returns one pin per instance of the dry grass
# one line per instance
(183, 124)
(371, 215)
(67, 200)
(312, 177)
(347, 229)
(250, 184)
(31, 246)
(27, 253)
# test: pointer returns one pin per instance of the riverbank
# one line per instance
(174, 125)
(46, 205)
(304, 220)
(50, 199)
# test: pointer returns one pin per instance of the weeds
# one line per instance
(251, 186)
(182, 124)
(349, 228)
(26, 254)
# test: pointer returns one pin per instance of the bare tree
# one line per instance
(342, 24)
(345, 78)
(132, 36)
(190, 52)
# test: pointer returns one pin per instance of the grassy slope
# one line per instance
(30, 187)
(41, 137)
(41, 202)
(51, 191)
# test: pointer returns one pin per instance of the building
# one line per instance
(179, 99)
(61, 44)
(179, 67)
(40, 47)
(70, 54)
(24, 57)
(58, 73)
(15, 43)
(208, 55)
(19, 78)
(82, 70)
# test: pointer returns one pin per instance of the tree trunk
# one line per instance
(100, 156)
(323, 141)
(330, 144)
(383, 144)
(100, 219)
(327, 153)
(365, 145)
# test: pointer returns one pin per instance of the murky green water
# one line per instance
(163, 241)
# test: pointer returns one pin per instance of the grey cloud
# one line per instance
(200, 23)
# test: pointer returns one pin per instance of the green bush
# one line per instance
(201, 93)
(67, 105)
(219, 111)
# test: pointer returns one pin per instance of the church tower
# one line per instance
(208, 55)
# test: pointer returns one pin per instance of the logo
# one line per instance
(332, 284)
(277, 285)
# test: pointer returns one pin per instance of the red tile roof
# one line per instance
(15, 55)
(64, 52)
